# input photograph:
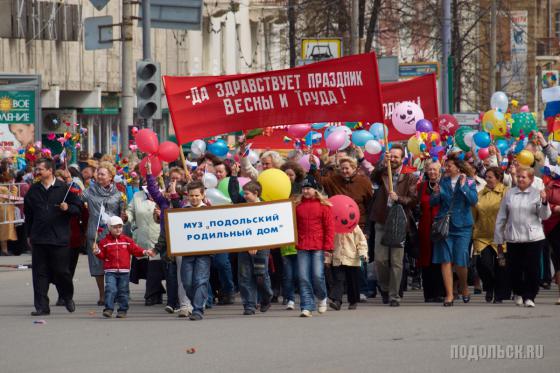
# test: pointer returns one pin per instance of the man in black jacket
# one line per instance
(48, 206)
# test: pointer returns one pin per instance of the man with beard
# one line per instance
(389, 260)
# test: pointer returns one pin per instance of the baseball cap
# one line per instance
(115, 220)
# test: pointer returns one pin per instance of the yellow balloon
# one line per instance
(525, 158)
(275, 185)
(494, 123)
(414, 146)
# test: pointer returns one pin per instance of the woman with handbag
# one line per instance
(452, 229)
(490, 260)
(432, 282)
(519, 223)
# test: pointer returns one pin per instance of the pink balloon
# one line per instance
(299, 130)
(335, 140)
(147, 141)
(483, 153)
(242, 181)
(156, 165)
(346, 213)
(304, 162)
(168, 151)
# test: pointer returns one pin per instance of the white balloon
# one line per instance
(209, 180)
(469, 139)
(346, 144)
(373, 147)
(499, 101)
(216, 197)
(198, 147)
(253, 157)
(345, 129)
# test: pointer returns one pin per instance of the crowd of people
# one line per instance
(502, 235)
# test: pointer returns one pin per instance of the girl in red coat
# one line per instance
(315, 225)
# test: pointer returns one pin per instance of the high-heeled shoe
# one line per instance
(466, 298)
(448, 303)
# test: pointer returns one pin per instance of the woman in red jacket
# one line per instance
(552, 226)
(315, 225)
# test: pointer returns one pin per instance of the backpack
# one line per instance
(395, 227)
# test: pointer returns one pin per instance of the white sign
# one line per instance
(210, 230)
(467, 119)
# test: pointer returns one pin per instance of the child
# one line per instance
(115, 251)
(195, 269)
(253, 265)
(289, 275)
(350, 249)
(315, 226)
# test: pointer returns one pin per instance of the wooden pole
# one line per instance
(389, 171)
(187, 173)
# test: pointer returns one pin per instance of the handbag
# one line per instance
(440, 227)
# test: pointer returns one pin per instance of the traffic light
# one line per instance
(148, 89)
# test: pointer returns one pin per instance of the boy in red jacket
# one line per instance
(115, 251)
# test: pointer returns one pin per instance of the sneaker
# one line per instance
(248, 312)
(107, 313)
(529, 303)
(322, 306)
(169, 309)
(121, 314)
(183, 312)
(195, 317)
(291, 305)
(363, 298)
(305, 313)
(265, 306)
(518, 299)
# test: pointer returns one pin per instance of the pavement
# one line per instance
(415, 337)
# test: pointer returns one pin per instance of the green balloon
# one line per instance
(223, 187)
(523, 122)
(460, 138)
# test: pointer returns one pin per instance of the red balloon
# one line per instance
(299, 130)
(483, 153)
(156, 165)
(448, 124)
(346, 213)
(372, 158)
(147, 141)
(168, 151)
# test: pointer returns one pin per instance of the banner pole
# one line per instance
(187, 173)
(389, 172)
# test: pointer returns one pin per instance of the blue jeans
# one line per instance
(195, 273)
(311, 277)
(289, 276)
(116, 289)
(254, 280)
(223, 266)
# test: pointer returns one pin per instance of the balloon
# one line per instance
(223, 187)
(335, 140)
(448, 124)
(376, 130)
(318, 126)
(414, 146)
(525, 158)
(298, 130)
(198, 147)
(372, 158)
(523, 122)
(216, 197)
(253, 157)
(494, 123)
(218, 148)
(502, 145)
(346, 213)
(424, 125)
(405, 116)
(209, 180)
(312, 138)
(147, 141)
(304, 162)
(361, 137)
(433, 137)
(168, 151)
(436, 150)
(373, 147)
(275, 185)
(483, 153)
(329, 130)
(156, 165)
(499, 101)
(460, 137)
(469, 139)
(482, 139)
(242, 181)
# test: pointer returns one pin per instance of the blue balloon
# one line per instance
(502, 145)
(376, 130)
(482, 139)
(312, 138)
(21, 164)
(318, 126)
(359, 138)
(219, 148)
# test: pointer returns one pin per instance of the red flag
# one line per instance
(344, 89)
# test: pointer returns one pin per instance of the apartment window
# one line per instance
(557, 24)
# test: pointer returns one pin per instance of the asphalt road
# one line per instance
(375, 338)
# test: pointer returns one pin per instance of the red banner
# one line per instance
(422, 90)
(344, 89)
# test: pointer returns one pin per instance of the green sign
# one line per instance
(17, 107)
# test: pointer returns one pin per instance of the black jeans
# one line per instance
(154, 277)
(524, 263)
(50, 263)
(495, 279)
(432, 282)
(352, 277)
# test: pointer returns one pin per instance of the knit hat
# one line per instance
(310, 182)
